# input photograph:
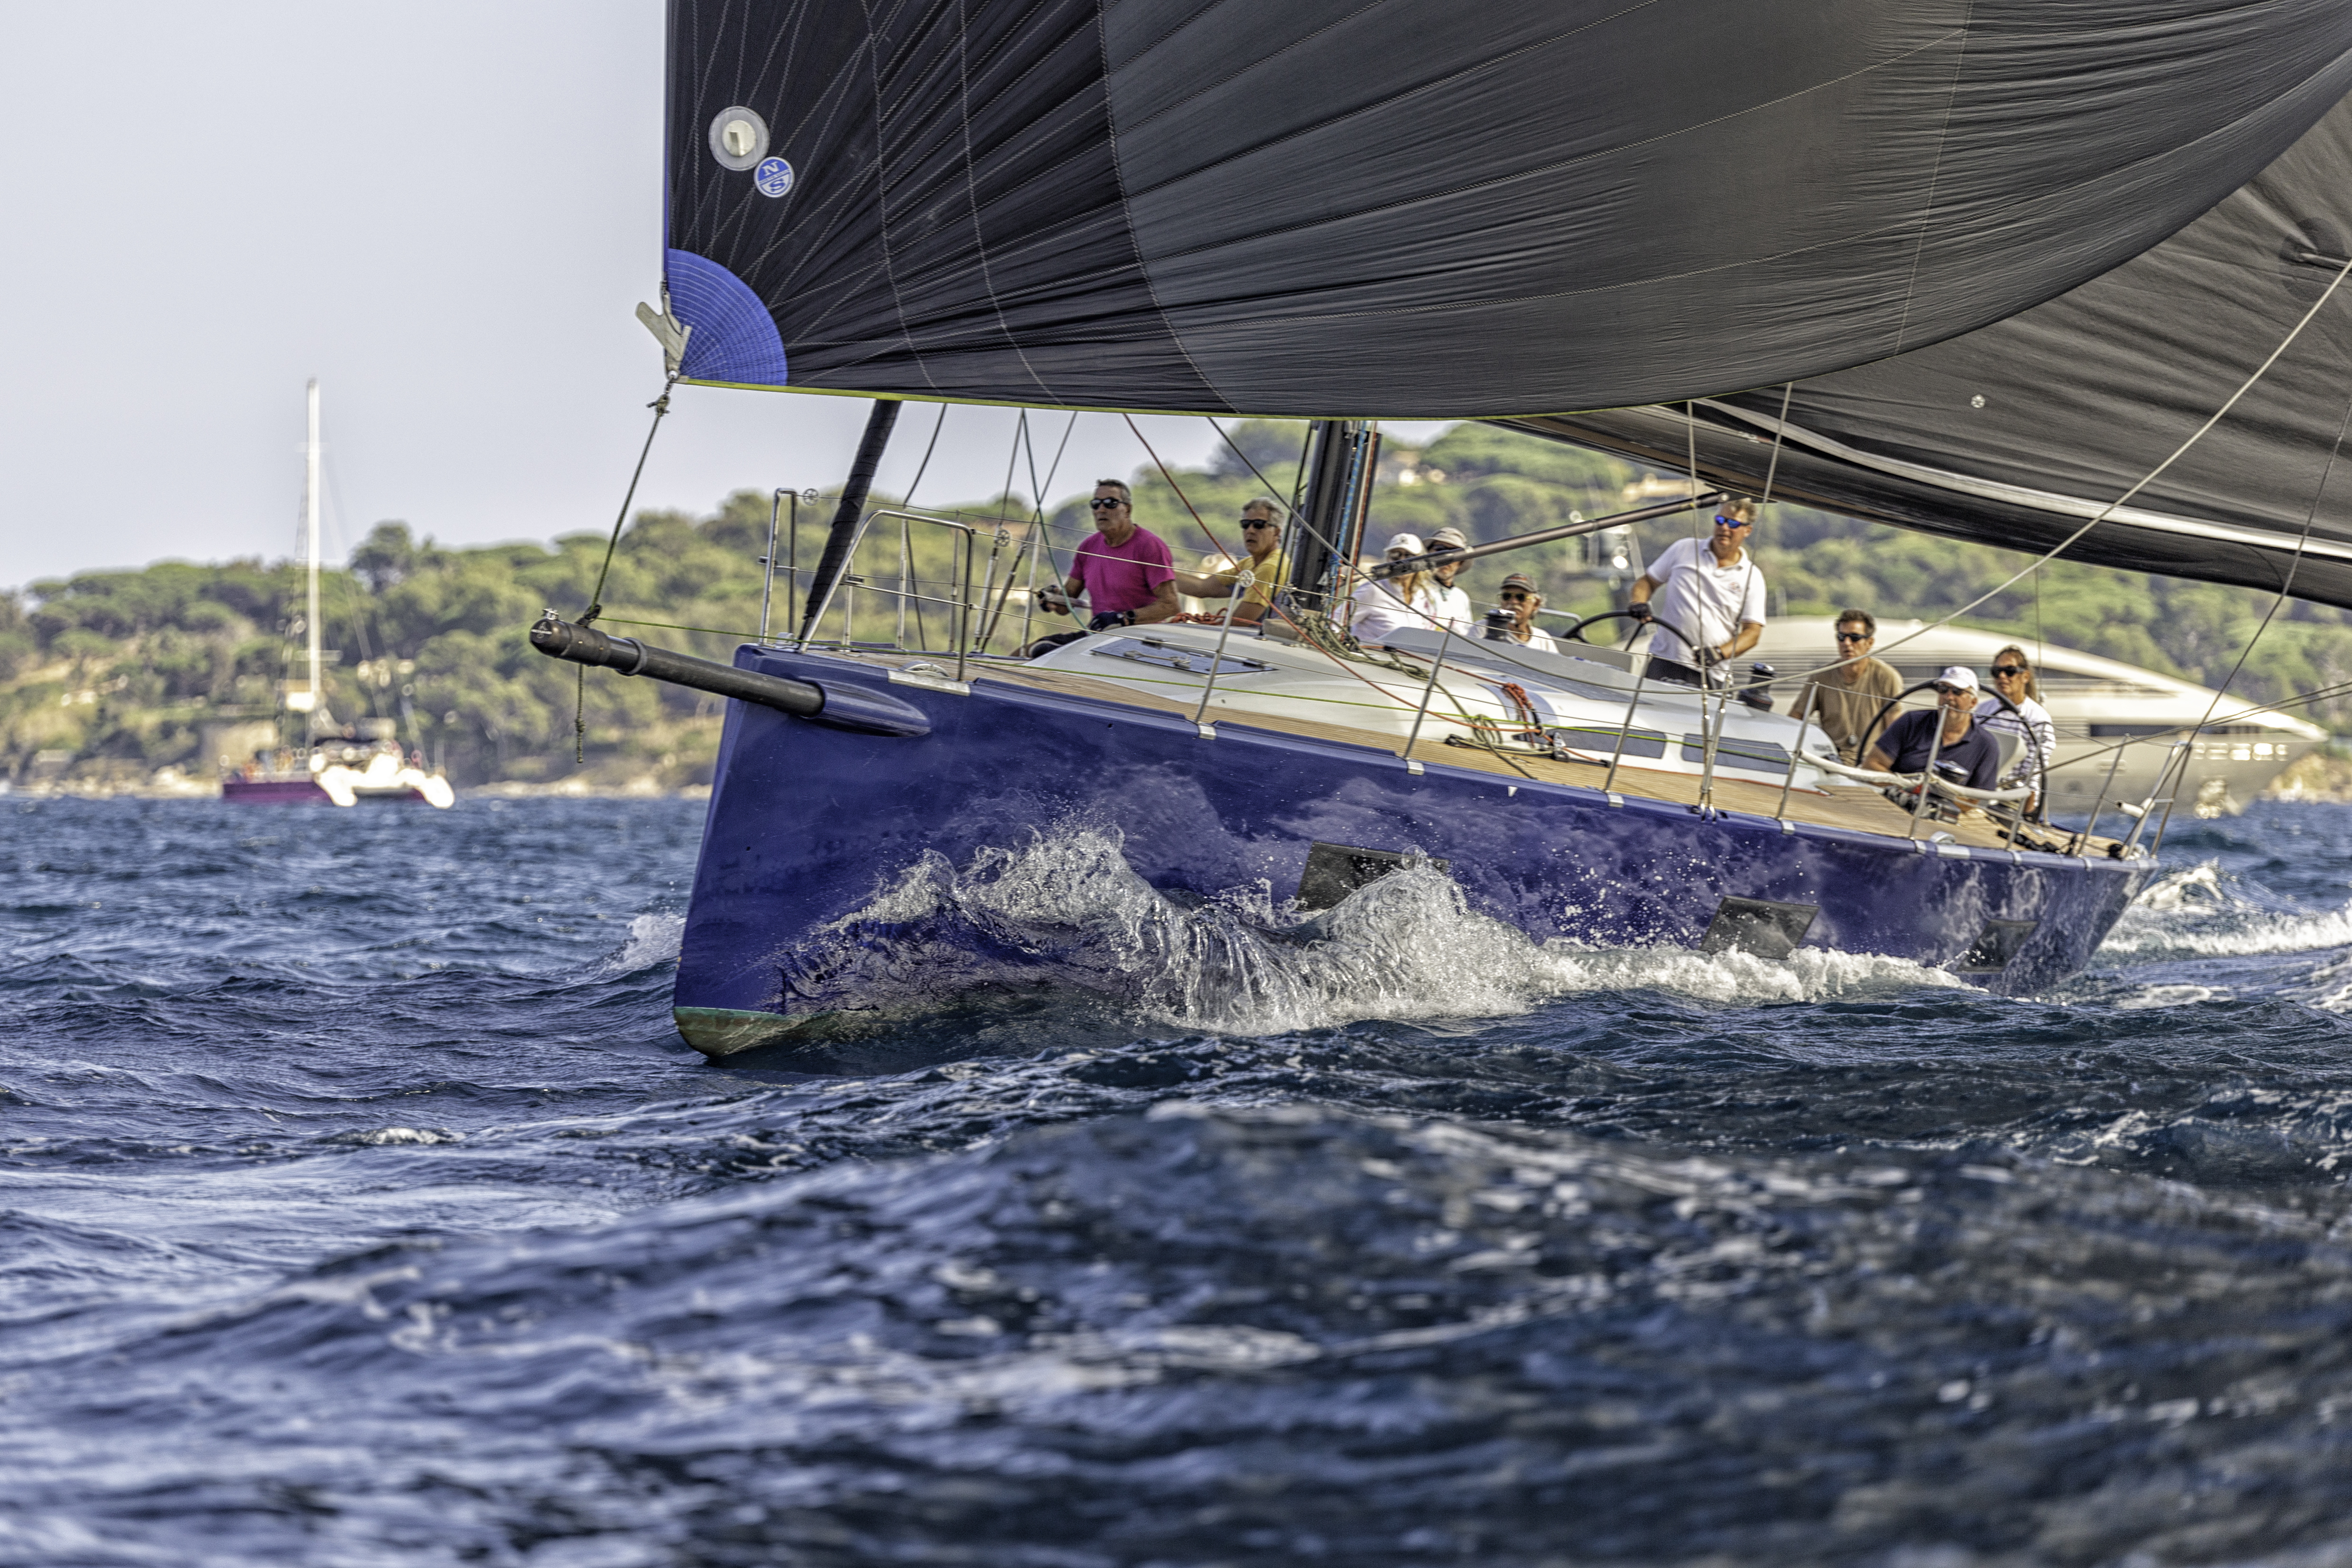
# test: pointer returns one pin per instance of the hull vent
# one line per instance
(1335, 870)
(1756, 926)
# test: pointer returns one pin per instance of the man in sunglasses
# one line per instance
(1518, 596)
(1261, 531)
(1127, 572)
(1709, 597)
(1963, 753)
(1846, 699)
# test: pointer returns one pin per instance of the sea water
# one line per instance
(358, 1206)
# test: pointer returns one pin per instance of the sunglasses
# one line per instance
(1853, 636)
(1104, 503)
(1722, 522)
(1514, 596)
(2010, 670)
(1945, 691)
(1260, 523)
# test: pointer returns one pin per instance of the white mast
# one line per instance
(310, 524)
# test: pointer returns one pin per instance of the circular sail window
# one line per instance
(739, 137)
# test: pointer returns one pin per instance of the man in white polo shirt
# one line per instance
(1709, 593)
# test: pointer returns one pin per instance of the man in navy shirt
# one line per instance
(1964, 754)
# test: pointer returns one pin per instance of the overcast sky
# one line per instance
(444, 211)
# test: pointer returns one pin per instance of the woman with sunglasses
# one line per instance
(1383, 605)
(2012, 678)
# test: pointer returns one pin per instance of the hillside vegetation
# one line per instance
(108, 677)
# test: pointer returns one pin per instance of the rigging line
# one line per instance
(2294, 563)
(909, 498)
(660, 406)
(1772, 470)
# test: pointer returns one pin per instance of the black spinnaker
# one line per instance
(1421, 208)
(2022, 432)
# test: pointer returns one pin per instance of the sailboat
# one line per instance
(332, 767)
(1335, 212)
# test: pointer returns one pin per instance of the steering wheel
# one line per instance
(1576, 632)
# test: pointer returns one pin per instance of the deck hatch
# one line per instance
(1732, 751)
(1335, 870)
(1598, 737)
(1760, 927)
(1191, 660)
(1995, 947)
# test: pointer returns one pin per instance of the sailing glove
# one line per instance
(1639, 610)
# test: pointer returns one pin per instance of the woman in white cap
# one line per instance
(1385, 605)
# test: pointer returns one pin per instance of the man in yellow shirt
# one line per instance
(1261, 525)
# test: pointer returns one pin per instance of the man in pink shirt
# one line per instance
(1127, 573)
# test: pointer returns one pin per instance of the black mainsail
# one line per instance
(1416, 208)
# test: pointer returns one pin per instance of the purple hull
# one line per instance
(808, 823)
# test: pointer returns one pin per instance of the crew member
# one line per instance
(1712, 604)
(1383, 605)
(1518, 596)
(1448, 606)
(2012, 678)
(1846, 699)
(1127, 572)
(1261, 527)
(1963, 753)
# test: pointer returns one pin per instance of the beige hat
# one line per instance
(1448, 539)
(1408, 543)
(1958, 676)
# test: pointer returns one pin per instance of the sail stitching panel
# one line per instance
(1495, 182)
(1935, 174)
(1142, 266)
(972, 191)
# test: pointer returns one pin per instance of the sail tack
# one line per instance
(2021, 433)
(1419, 208)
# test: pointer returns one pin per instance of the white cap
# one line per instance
(1958, 676)
(1408, 543)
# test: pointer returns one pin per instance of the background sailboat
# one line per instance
(330, 766)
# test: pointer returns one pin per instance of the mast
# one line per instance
(842, 538)
(310, 528)
(1331, 518)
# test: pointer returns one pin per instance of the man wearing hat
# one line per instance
(1448, 605)
(1964, 753)
(1710, 596)
(1519, 597)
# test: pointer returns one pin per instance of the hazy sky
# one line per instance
(444, 211)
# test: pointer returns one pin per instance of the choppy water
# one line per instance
(358, 1206)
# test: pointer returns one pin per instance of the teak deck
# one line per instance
(1858, 809)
